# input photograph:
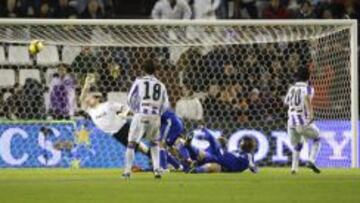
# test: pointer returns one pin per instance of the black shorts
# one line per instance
(123, 134)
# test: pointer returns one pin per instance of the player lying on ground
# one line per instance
(301, 117)
(147, 99)
(217, 159)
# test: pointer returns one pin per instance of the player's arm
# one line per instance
(308, 103)
(90, 79)
(309, 107)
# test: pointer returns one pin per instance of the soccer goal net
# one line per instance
(231, 76)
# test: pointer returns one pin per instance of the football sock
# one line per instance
(295, 160)
(129, 158)
(163, 159)
(183, 151)
(155, 155)
(173, 161)
(314, 150)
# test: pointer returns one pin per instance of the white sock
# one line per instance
(155, 155)
(295, 160)
(314, 151)
(129, 158)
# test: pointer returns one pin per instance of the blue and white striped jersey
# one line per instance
(298, 114)
(148, 96)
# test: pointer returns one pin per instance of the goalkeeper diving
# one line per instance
(110, 117)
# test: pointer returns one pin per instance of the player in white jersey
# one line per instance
(147, 99)
(110, 117)
(300, 119)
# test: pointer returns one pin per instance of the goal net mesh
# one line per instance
(228, 77)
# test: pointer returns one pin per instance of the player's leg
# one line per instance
(313, 133)
(167, 158)
(152, 132)
(135, 133)
(122, 136)
(215, 146)
(207, 168)
(297, 144)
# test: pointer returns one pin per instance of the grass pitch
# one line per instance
(94, 185)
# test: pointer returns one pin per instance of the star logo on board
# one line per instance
(83, 136)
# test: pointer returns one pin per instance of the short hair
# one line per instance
(149, 67)
(302, 74)
(247, 144)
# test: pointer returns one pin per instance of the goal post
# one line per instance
(355, 95)
(234, 73)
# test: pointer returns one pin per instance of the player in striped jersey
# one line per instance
(147, 99)
(300, 119)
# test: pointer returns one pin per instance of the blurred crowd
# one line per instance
(225, 86)
(182, 9)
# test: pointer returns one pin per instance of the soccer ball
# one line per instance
(35, 46)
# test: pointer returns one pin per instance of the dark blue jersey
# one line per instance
(171, 127)
(234, 161)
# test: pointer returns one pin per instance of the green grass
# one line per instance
(94, 185)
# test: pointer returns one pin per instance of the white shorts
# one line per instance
(147, 126)
(299, 133)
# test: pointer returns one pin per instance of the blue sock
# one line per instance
(173, 161)
(200, 169)
(194, 152)
(184, 153)
(163, 159)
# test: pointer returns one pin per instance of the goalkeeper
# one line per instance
(110, 117)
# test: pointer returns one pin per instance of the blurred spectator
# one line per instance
(62, 94)
(248, 5)
(45, 11)
(275, 11)
(81, 5)
(171, 9)
(189, 107)
(306, 11)
(85, 62)
(112, 71)
(294, 5)
(327, 14)
(32, 103)
(93, 10)
(223, 10)
(352, 10)
(10, 9)
(205, 9)
(13, 102)
(64, 10)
